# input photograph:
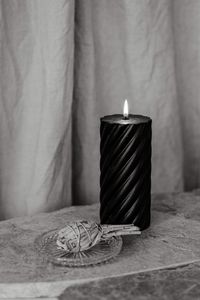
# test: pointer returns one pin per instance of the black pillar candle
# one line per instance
(125, 165)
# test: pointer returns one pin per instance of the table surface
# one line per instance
(162, 263)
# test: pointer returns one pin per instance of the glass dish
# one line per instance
(102, 252)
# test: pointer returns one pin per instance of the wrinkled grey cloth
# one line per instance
(36, 83)
(66, 63)
(125, 49)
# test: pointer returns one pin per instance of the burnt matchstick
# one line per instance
(115, 230)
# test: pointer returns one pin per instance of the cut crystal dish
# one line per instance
(103, 251)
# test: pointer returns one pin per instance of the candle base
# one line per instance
(141, 219)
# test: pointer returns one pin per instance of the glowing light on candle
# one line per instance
(125, 110)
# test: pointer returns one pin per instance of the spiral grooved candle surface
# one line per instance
(125, 165)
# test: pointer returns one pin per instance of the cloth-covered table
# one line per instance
(162, 263)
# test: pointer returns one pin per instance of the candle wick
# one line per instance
(126, 118)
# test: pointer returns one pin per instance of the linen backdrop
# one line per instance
(66, 63)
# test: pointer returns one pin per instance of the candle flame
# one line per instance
(125, 110)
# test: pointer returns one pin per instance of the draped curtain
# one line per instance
(66, 63)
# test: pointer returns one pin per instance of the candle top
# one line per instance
(119, 119)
